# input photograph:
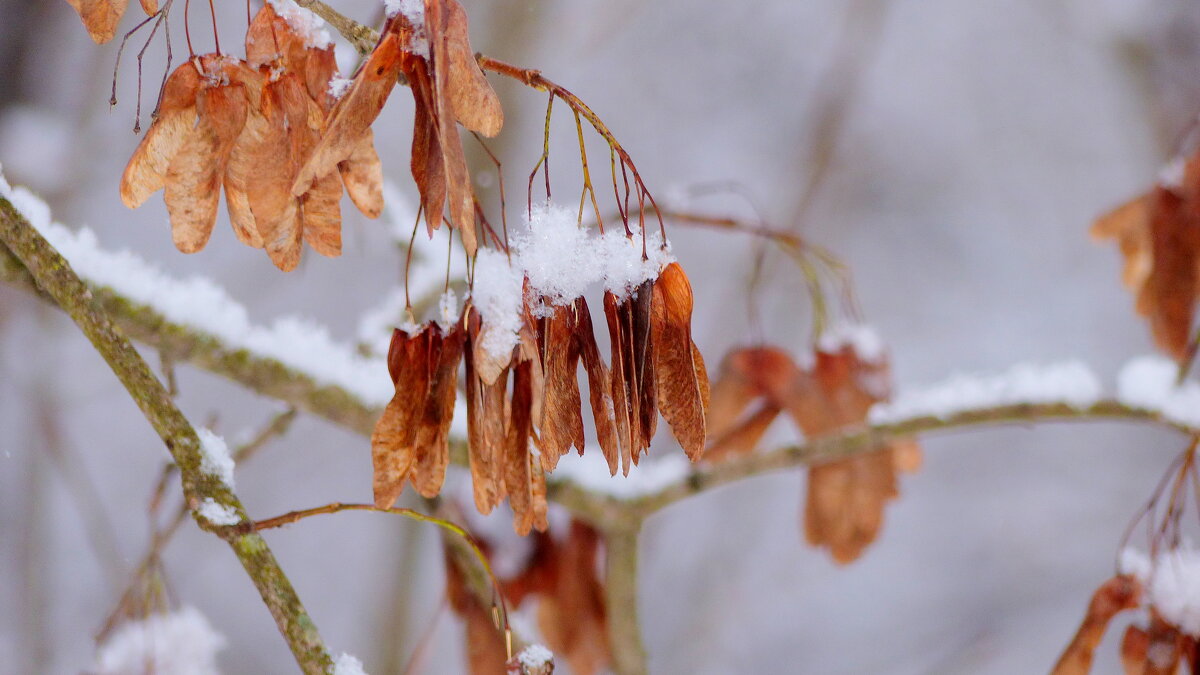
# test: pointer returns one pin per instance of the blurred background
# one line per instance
(952, 154)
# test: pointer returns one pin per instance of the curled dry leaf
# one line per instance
(599, 385)
(100, 17)
(472, 99)
(362, 173)
(633, 386)
(561, 423)
(1115, 595)
(146, 172)
(1159, 236)
(433, 432)
(487, 426)
(679, 380)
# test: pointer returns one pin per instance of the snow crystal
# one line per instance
(199, 303)
(448, 309)
(338, 86)
(590, 472)
(345, 664)
(414, 11)
(557, 255)
(497, 294)
(1175, 588)
(1135, 563)
(1149, 382)
(862, 338)
(307, 25)
(1070, 382)
(218, 514)
(621, 263)
(535, 656)
(215, 459)
(178, 643)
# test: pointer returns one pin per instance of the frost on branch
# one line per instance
(215, 459)
(346, 664)
(1149, 382)
(179, 643)
(218, 514)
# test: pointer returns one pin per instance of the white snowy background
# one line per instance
(982, 139)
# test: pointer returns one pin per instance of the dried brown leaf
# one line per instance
(1134, 645)
(195, 172)
(472, 99)
(363, 175)
(150, 7)
(561, 422)
(486, 425)
(680, 398)
(146, 171)
(321, 215)
(392, 451)
(517, 458)
(433, 430)
(100, 17)
(599, 386)
(572, 616)
(743, 438)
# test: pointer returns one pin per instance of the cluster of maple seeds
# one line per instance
(250, 126)
(524, 408)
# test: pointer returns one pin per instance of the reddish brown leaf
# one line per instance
(572, 616)
(622, 356)
(146, 171)
(1116, 594)
(599, 386)
(743, 438)
(1165, 649)
(486, 651)
(321, 216)
(433, 431)
(561, 423)
(354, 113)
(392, 451)
(680, 398)
(472, 99)
(486, 425)
(517, 458)
(363, 175)
(100, 17)
(150, 7)
(195, 172)
(1134, 645)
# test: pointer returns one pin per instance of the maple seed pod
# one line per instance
(680, 382)
(100, 17)
(1115, 595)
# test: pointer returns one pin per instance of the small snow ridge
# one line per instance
(1148, 382)
(535, 656)
(590, 472)
(200, 304)
(177, 643)
(345, 664)
(218, 514)
(307, 25)
(862, 338)
(215, 459)
(1070, 382)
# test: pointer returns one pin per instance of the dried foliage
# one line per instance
(100, 17)
(1115, 595)
(1159, 236)
(846, 498)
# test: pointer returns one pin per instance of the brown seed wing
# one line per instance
(561, 423)
(150, 7)
(516, 454)
(640, 306)
(1116, 594)
(392, 450)
(319, 68)
(744, 437)
(100, 17)
(355, 112)
(322, 215)
(433, 432)
(460, 199)
(363, 175)
(572, 616)
(194, 174)
(680, 398)
(255, 178)
(1168, 298)
(146, 172)
(472, 99)
(599, 386)
(428, 171)
(485, 426)
(622, 355)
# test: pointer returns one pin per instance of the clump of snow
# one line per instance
(1175, 588)
(1172, 173)
(1149, 382)
(338, 86)
(863, 339)
(1135, 563)
(200, 304)
(557, 255)
(1070, 382)
(590, 472)
(622, 267)
(176, 643)
(535, 656)
(218, 514)
(414, 11)
(215, 458)
(345, 664)
(448, 309)
(309, 26)
(497, 294)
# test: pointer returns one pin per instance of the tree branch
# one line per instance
(54, 276)
(621, 598)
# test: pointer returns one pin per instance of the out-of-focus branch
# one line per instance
(620, 584)
(362, 37)
(54, 276)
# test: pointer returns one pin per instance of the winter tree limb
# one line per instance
(54, 276)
